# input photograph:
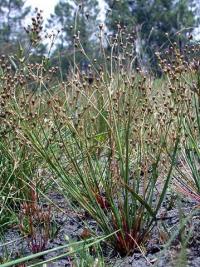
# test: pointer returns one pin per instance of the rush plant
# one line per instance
(119, 175)
(188, 178)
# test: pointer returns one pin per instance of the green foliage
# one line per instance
(187, 179)
(12, 13)
(151, 20)
(71, 249)
(119, 13)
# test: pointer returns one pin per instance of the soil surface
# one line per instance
(70, 225)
